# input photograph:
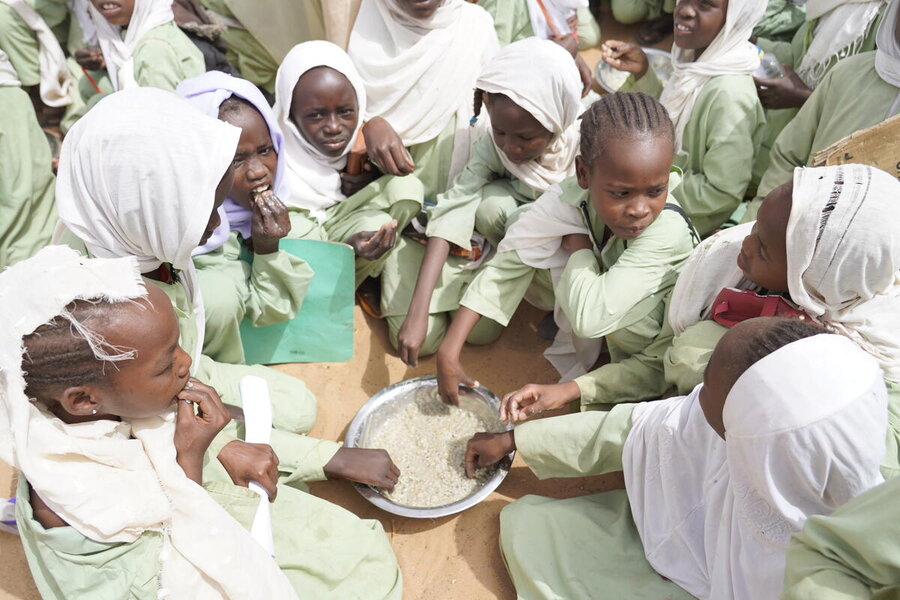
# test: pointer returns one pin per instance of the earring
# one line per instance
(94, 412)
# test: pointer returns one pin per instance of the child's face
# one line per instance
(255, 161)
(222, 191)
(325, 110)
(516, 132)
(629, 185)
(763, 257)
(148, 384)
(698, 22)
(116, 12)
(420, 9)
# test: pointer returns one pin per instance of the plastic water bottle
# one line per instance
(769, 66)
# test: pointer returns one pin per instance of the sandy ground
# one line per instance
(442, 559)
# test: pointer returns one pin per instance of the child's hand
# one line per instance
(569, 42)
(195, 430)
(411, 337)
(251, 462)
(574, 242)
(486, 449)
(450, 376)
(270, 222)
(364, 465)
(386, 149)
(90, 58)
(372, 245)
(534, 399)
(584, 71)
(625, 56)
(350, 184)
(782, 92)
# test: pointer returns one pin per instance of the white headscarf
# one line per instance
(117, 52)
(56, 83)
(81, 10)
(887, 56)
(559, 11)
(110, 480)
(419, 74)
(841, 29)
(137, 177)
(804, 430)
(540, 77)
(729, 54)
(844, 255)
(8, 75)
(313, 178)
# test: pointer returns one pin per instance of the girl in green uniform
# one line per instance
(531, 146)
(611, 248)
(719, 123)
(121, 493)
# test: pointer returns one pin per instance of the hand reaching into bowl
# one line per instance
(625, 56)
(364, 465)
(487, 449)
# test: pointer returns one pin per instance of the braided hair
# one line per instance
(67, 350)
(622, 115)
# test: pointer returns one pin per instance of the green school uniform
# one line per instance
(21, 46)
(629, 12)
(850, 97)
(780, 21)
(512, 22)
(27, 208)
(792, 53)
(572, 548)
(618, 293)
(485, 197)
(268, 290)
(244, 51)
(721, 138)
(850, 554)
(165, 57)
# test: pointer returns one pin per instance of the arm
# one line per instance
(414, 329)
(160, 64)
(278, 283)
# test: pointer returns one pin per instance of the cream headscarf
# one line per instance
(8, 75)
(729, 54)
(420, 74)
(110, 480)
(56, 82)
(844, 256)
(541, 77)
(841, 29)
(117, 52)
(804, 433)
(137, 177)
(887, 56)
(313, 178)
(559, 12)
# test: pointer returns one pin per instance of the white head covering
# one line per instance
(137, 177)
(729, 54)
(805, 430)
(558, 11)
(206, 93)
(887, 56)
(8, 75)
(841, 29)
(117, 52)
(56, 83)
(313, 178)
(81, 10)
(419, 74)
(844, 255)
(110, 480)
(540, 77)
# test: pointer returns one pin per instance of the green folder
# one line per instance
(323, 329)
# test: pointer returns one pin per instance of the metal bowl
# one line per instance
(611, 79)
(394, 398)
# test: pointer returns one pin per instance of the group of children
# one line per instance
(744, 377)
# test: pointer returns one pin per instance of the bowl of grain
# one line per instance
(611, 79)
(427, 441)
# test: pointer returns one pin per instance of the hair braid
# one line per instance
(622, 115)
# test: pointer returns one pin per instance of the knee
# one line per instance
(485, 332)
(403, 211)
(628, 12)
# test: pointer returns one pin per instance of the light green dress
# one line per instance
(850, 97)
(269, 289)
(21, 46)
(851, 554)
(780, 21)
(792, 53)
(27, 207)
(618, 293)
(244, 52)
(583, 547)
(721, 138)
(324, 550)
(512, 22)
(629, 12)
(485, 197)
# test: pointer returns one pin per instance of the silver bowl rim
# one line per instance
(598, 70)
(369, 493)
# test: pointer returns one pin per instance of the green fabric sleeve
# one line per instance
(21, 45)
(278, 283)
(499, 287)
(649, 84)
(165, 57)
(575, 445)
